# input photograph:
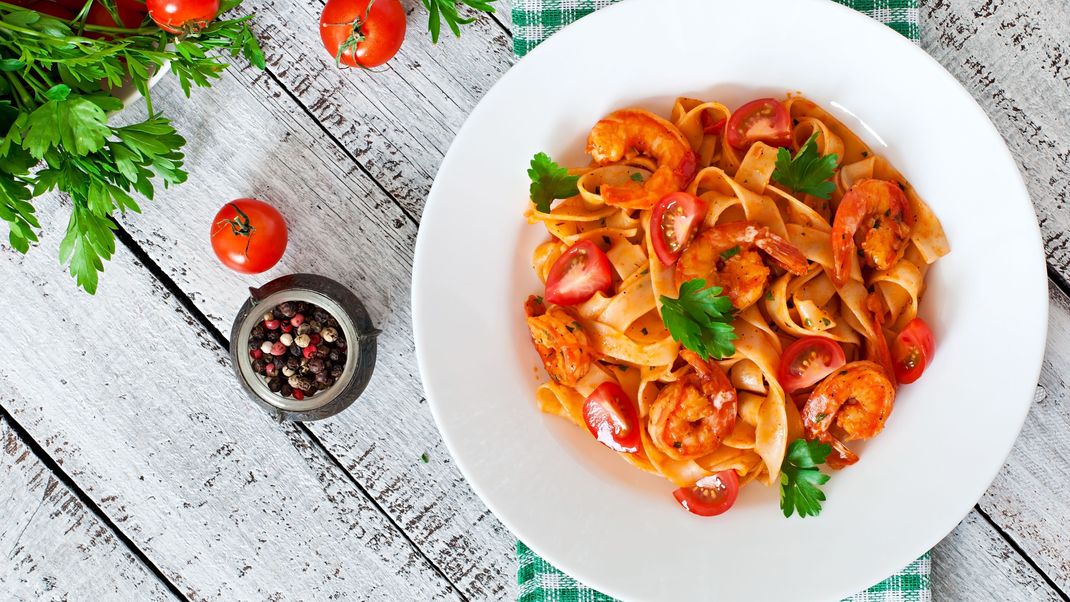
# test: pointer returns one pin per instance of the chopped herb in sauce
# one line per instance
(637, 177)
(726, 255)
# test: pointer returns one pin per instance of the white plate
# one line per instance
(605, 522)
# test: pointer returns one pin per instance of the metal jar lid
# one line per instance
(354, 321)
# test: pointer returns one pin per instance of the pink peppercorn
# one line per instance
(256, 353)
(297, 320)
(271, 324)
(286, 327)
(314, 339)
(308, 351)
(278, 348)
(298, 394)
(269, 369)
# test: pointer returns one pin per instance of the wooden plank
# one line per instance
(52, 546)
(1028, 498)
(343, 226)
(1014, 58)
(398, 120)
(141, 409)
(975, 563)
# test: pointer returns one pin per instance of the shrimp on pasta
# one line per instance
(720, 285)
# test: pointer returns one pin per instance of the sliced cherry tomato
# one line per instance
(710, 496)
(578, 274)
(765, 120)
(807, 361)
(612, 418)
(673, 220)
(912, 351)
(249, 236)
(366, 38)
(182, 16)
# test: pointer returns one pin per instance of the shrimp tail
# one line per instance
(787, 255)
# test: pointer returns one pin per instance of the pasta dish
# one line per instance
(730, 296)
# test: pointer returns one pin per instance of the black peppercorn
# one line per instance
(255, 342)
(274, 384)
(293, 363)
(321, 352)
(279, 362)
(322, 378)
(272, 335)
(336, 371)
(258, 331)
(295, 351)
(340, 344)
(300, 307)
(258, 366)
(286, 390)
(287, 309)
(315, 365)
(319, 315)
(335, 355)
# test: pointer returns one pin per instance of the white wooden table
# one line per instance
(133, 467)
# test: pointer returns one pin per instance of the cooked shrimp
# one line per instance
(726, 256)
(874, 214)
(560, 341)
(691, 416)
(855, 401)
(627, 133)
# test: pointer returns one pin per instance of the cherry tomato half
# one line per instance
(710, 496)
(807, 361)
(612, 418)
(912, 351)
(182, 16)
(578, 274)
(673, 221)
(765, 120)
(367, 38)
(249, 236)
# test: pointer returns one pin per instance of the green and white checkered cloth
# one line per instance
(533, 22)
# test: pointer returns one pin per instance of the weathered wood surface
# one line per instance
(51, 545)
(142, 413)
(348, 157)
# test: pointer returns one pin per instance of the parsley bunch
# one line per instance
(700, 319)
(549, 181)
(807, 172)
(800, 479)
(54, 113)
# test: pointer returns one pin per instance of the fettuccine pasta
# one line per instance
(824, 272)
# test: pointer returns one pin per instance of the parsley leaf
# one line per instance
(549, 181)
(446, 10)
(808, 172)
(700, 319)
(800, 479)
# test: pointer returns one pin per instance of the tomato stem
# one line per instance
(239, 226)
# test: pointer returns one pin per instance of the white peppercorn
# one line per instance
(302, 340)
(265, 347)
(329, 334)
(286, 339)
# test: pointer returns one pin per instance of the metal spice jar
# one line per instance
(303, 347)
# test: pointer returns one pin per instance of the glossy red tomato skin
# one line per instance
(384, 30)
(264, 245)
(131, 13)
(578, 274)
(912, 351)
(710, 496)
(182, 16)
(765, 119)
(678, 216)
(612, 418)
(821, 356)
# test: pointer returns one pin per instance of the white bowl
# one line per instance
(603, 521)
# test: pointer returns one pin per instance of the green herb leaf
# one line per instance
(549, 181)
(800, 480)
(730, 253)
(425, 458)
(700, 320)
(446, 10)
(808, 172)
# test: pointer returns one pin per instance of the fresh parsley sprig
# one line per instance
(800, 479)
(54, 110)
(700, 320)
(808, 172)
(549, 181)
(446, 10)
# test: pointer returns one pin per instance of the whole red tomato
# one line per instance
(359, 37)
(182, 16)
(249, 236)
